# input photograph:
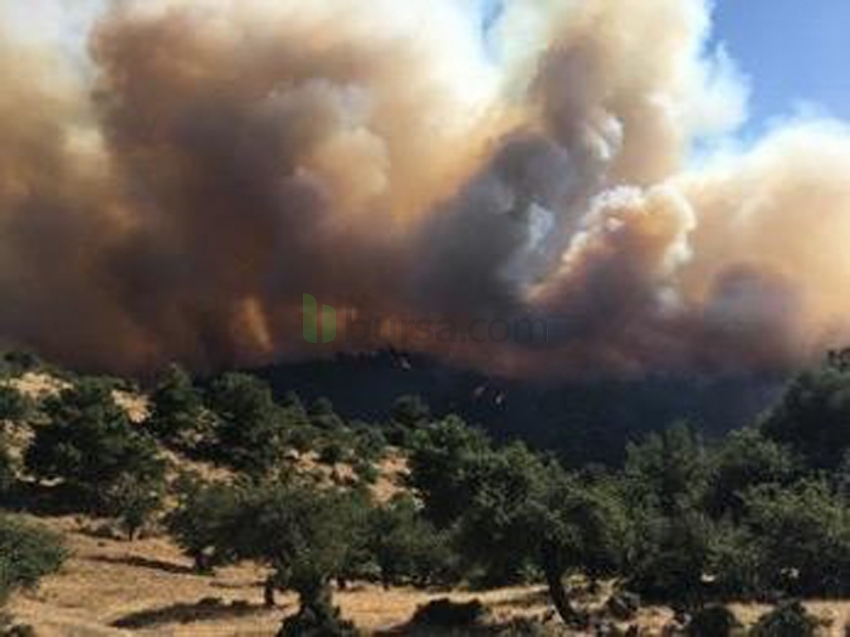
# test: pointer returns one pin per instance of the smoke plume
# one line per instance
(173, 193)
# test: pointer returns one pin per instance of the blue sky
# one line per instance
(794, 52)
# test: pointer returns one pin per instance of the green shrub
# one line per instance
(786, 620)
(13, 405)
(332, 452)
(713, 621)
(27, 553)
(445, 614)
(366, 472)
(8, 469)
(134, 502)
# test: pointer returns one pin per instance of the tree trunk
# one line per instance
(268, 592)
(203, 563)
(554, 579)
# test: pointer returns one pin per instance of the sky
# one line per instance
(796, 53)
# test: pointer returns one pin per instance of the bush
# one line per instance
(533, 627)
(134, 502)
(332, 452)
(787, 620)
(369, 443)
(8, 470)
(444, 613)
(16, 362)
(13, 405)
(324, 418)
(713, 621)
(27, 553)
(366, 472)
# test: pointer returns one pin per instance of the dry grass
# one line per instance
(147, 587)
(136, 406)
(114, 587)
(37, 385)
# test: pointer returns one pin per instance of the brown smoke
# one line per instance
(217, 160)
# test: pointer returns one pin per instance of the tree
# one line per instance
(408, 414)
(673, 554)
(514, 508)
(803, 535)
(303, 533)
(323, 417)
(667, 469)
(250, 428)
(90, 443)
(675, 542)
(813, 416)
(27, 553)
(406, 547)
(177, 410)
(439, 459)
(200, 522)
(745, 460)
(530, 510)
(505, 512)
(582, 527)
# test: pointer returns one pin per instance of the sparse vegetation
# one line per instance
(686, 521)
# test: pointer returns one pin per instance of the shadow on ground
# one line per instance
(208, 609)
(146, 562)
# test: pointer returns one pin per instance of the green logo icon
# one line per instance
(311, 321)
